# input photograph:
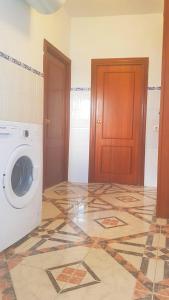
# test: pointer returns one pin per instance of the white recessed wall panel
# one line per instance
(79, 135)
(152, 134)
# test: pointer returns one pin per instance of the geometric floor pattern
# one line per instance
(95, 241)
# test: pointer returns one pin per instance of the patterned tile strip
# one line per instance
(29, 68)
(20, 64)
(86, 89)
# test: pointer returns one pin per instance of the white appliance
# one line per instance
(20, 180)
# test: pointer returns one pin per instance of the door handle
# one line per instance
(47, 121)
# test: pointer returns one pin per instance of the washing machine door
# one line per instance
(20, 179)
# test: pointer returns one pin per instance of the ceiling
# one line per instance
(95, 8)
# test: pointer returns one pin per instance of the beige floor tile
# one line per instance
(127, 200)
(127, 248)
(54, 224)
(151, 269)
(123, 260)
(132, 224)
(50, 244)
(25, 246)
(65, 192)
(99, 291)
(115, 282)
(162, 240)
(139, 240)
(51, 259)
(159, 276)
(156, 240)
(49, 210)
(32, 283)
(160, 221)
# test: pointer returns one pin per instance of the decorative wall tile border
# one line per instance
(154, 88)
(29, 68)
(80, 89)
(19, 63)
(87, 89)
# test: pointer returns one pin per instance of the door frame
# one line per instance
(144, 61)
(162, 210)
(48, 48)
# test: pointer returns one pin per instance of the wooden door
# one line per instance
(163, 163)
(56, 115)
(119, 92)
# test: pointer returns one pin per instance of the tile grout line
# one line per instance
(155, 273)
(20, 64)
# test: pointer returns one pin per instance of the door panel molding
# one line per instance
(112, 152)
(97, 102)
(121, 135)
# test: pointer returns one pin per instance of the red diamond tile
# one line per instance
(64, 278)
(75, 280)
(69, 270)
(71, 275)
(80, 273)
(110, 222)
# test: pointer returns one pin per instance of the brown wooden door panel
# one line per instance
(110, 163)
(56, 115)
(117, 115)
(118, 120)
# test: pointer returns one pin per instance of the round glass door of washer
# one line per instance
(22, 176)
(19, 179)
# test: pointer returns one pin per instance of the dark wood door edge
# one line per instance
(116, 61)
(163, 154)
(50, 49)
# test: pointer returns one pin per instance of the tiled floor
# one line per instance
(96, 241)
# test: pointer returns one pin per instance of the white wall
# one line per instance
(151, 154)
(79, 135)
(22, 32)
(108, 37)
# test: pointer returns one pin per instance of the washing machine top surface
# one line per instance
(15, 131)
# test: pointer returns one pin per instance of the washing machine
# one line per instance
(20, 180)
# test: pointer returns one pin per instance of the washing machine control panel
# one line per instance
(6, 131)
(11, 131)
